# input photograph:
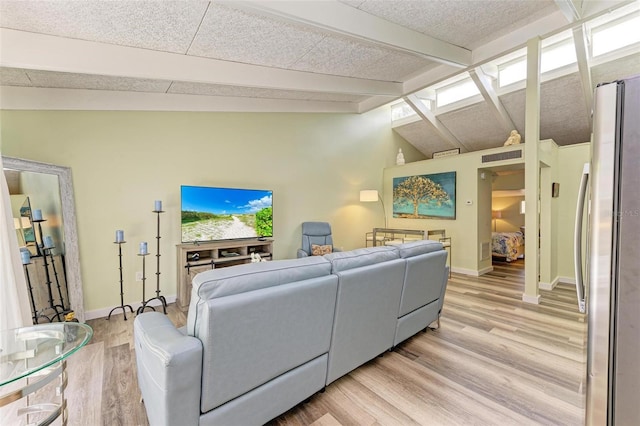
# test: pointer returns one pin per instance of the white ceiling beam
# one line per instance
(340, 18)
(483, 82)
(35, 98)
(582, 54)
(569, 9)
(21, 49)
(426, 114)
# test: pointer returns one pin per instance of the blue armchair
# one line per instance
(315, 233)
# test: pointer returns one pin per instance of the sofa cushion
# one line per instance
(415, 248)
(317, 250)
(342, 261)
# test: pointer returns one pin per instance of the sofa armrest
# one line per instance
(302, 253)
(169, 366)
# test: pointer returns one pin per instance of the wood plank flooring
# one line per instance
(494, 361)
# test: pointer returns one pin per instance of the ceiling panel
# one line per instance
(563, 112)
(395, 66)
(236, 35)
(463, 23)
(221, 90)
(340, 56)
(14, 77)
(615, 70)
(423, 137)
(160, 25)
(475, 126)
(563, 115)
(62, 80)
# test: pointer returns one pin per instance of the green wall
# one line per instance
(570, 160)
(121, 162)
(472, 226)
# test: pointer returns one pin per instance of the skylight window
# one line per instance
(558, 56)
(401, 110)
(512, 72)
(608, 38)
(456, 92)
(553, 57)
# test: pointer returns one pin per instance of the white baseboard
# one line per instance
(472, 272)
(531, 299)
(549, 286)
(104, 312)
(567, 280)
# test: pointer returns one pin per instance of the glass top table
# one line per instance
(27, 350)
(30, 359)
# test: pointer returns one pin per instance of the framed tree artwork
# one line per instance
(425, 196)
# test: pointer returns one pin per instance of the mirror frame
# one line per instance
(72, 254)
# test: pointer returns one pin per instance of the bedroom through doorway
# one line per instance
(507, 217)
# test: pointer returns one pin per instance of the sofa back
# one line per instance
(424, 275)
(369, 288)
(258, 321)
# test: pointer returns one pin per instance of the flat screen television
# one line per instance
(211, 214)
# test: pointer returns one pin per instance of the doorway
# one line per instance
(507, 216)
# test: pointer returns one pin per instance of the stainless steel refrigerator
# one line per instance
(608, 260)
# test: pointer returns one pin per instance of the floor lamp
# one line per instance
(371, 195)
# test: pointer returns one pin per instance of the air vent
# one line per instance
(484, 250)
(502, 156)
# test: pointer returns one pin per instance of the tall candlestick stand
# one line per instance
(122, 305)
(55, 274)
(36, 314)
(144, 279)
(158, 295)
(52, 305)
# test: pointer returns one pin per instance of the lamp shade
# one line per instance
(496, 214)
(368, 195)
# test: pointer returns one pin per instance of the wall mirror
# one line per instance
(48, 189)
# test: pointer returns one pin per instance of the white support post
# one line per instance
(532, 171)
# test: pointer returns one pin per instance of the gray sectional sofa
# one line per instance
(263, 337)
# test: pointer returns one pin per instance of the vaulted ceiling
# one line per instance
(346, 56)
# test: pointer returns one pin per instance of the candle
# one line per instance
(158, 206)
(26, 257)
(37, 214)
(48, 242)
(143, 248)
(119, 236)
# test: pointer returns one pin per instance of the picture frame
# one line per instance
(446, 153)
(431, 196)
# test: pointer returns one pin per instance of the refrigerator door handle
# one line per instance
(577, 248)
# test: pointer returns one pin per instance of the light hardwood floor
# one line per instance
(494, 361)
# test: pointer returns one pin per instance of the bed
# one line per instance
(509, 245)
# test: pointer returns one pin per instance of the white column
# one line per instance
(532, 172)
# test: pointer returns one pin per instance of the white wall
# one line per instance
(121, 162)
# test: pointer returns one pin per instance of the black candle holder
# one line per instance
(158, 295)
(122, 305)
(34, 310)
(52, 305)
(49, 251)
(144, 304)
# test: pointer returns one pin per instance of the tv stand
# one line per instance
(215, 254)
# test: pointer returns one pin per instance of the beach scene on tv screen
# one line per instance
(225, 213)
